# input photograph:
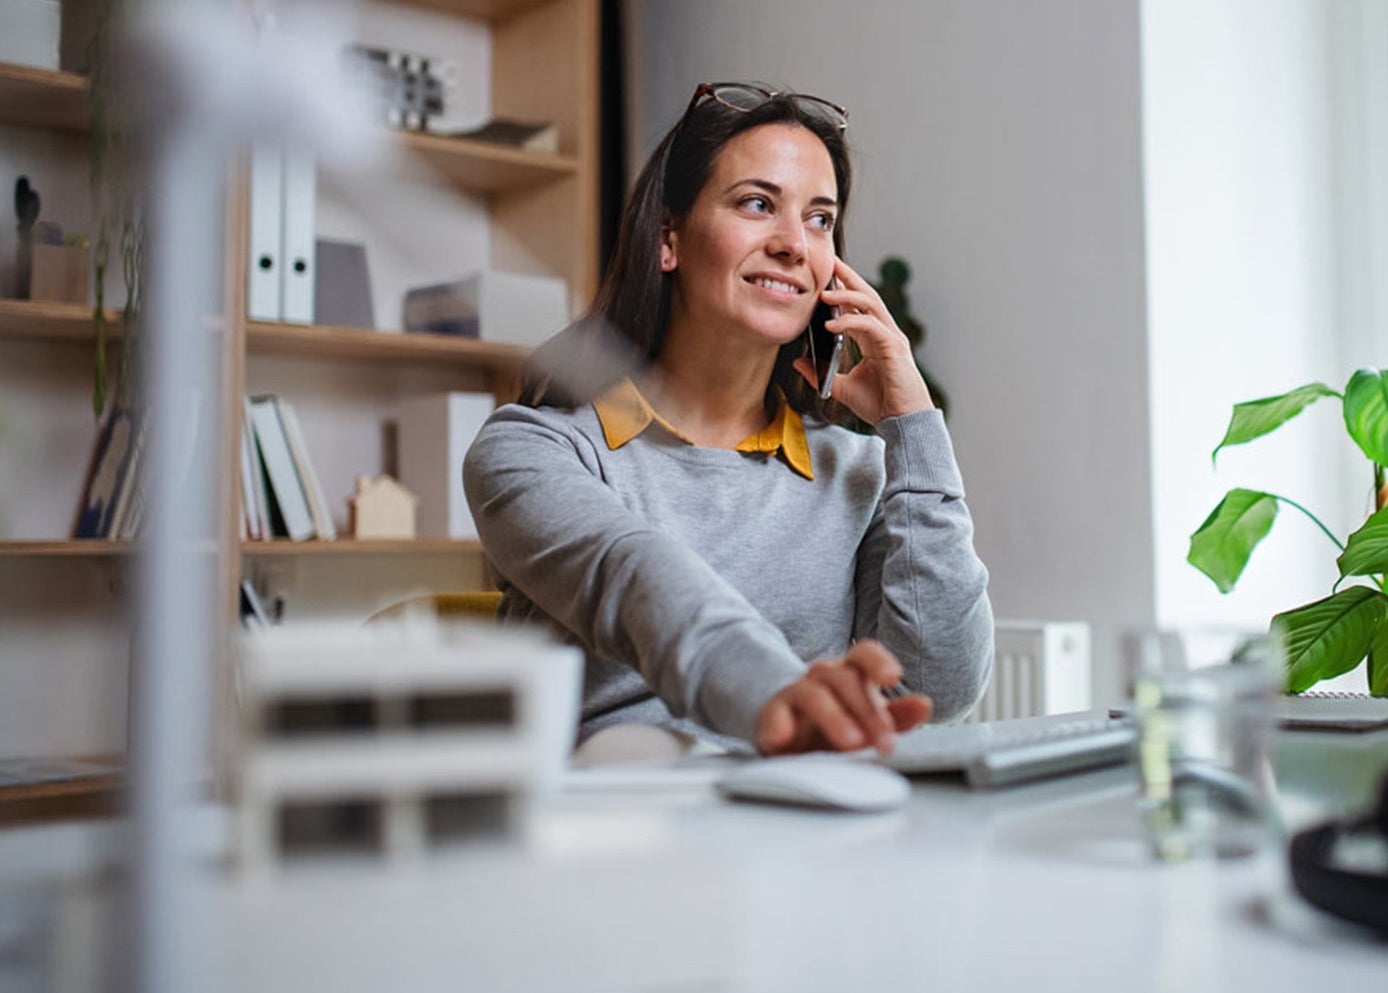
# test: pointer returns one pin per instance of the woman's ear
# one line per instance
(669, 261)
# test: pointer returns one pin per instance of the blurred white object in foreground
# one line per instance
(396, 740)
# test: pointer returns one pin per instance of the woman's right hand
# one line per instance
(838, 706)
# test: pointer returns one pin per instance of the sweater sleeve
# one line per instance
(553, 529)
(921, 589)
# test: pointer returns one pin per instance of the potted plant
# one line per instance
(1333, 635)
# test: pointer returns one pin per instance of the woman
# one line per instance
(672, 496)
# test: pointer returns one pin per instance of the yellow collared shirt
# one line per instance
(624, 413)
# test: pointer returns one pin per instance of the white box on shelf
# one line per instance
(494, 306)
(434, 435)
(30, 32)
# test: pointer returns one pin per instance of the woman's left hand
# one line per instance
(886, 382)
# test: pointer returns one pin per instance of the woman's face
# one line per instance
(757, 245)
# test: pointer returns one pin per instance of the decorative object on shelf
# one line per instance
(1328, 637)
(408, 91)
(381, 508)
(30, 31)
(342, 292)
(116, 183)
(59, 269)
(433, 434)
(533, 136)
(493, 306)
(27, 204)
(894, 274)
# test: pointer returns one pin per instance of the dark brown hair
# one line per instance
(623, 330)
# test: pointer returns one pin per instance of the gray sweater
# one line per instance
(701, 581)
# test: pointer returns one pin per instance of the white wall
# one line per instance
(1244, 288)
(997, 148)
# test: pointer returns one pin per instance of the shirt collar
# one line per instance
(624, 413)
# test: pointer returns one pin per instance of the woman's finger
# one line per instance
(821, 708)
(875, 661)
(857, 695)
(908, 712)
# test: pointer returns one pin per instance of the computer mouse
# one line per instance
(819, 779)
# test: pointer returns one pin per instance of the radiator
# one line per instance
(1039, 667)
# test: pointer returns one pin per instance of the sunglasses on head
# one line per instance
(745, 97)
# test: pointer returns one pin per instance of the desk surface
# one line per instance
(1040, 887)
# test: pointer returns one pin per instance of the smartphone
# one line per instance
(826, 348)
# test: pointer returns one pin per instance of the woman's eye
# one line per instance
(759, 204)
(824, 222)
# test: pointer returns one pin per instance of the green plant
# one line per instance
(1333, 635)
(116, 204)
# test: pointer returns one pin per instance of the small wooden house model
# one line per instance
(381, 508)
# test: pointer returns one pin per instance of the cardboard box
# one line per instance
(58, 273)
(494, 306)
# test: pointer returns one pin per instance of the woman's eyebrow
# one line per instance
(775, 190)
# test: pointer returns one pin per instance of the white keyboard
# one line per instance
(1003, 752)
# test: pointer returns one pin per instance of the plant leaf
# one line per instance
(1221, 546)
(1378, 666)
(1366, 551)
(1366, 413)
(1256, 418)
(1331, 636)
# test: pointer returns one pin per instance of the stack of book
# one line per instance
(113, 500)
(281, 495)
(112, 504)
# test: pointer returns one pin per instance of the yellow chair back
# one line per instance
(480, 606)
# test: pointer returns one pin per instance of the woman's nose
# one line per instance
(787, 239)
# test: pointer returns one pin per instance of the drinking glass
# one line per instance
(1203, 708)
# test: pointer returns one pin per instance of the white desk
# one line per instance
(1035, 888)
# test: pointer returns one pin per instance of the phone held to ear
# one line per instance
(826, 350)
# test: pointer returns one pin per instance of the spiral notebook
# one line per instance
(1333, 712)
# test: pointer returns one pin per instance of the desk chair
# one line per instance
(471, 606)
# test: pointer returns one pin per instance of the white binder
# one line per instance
(297, 240)
(263, 291)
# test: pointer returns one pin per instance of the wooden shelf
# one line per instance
(349, 546)
(43, 98)
(60, 322)
(62, 788)
(65, 548)
(487, 168)
(318, 341)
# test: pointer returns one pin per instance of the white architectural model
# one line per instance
(396, 739)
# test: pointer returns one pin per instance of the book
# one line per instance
(308, 477)
(259, 498)
(251, 517)
(533, 136)
(289, 495)
(120, 524)
(101, 487)
(252, 611)
(1333, 712)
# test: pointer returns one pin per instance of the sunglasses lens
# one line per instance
(740, 97)
(822, 111)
